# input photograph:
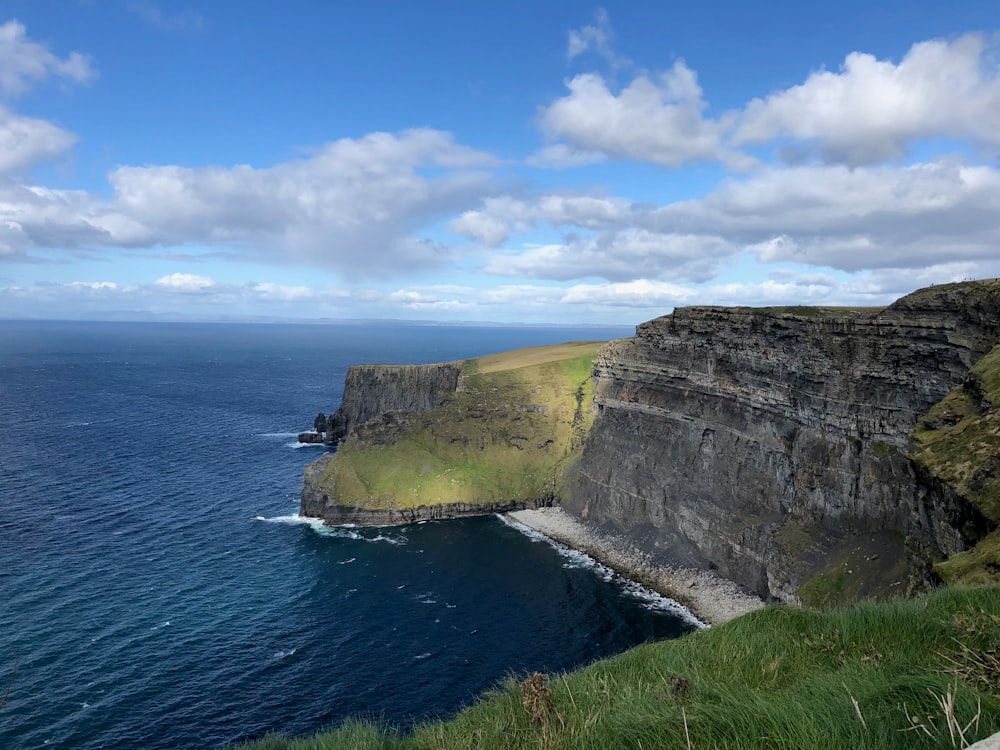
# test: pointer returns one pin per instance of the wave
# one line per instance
(295, 520)
(576, 559)
(345, 531)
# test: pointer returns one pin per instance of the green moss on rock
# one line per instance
(958, 440)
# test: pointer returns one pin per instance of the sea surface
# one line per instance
(157, 589)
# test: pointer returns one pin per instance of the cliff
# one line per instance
(808, 454)
(437, 441)
(373, 390)
(771, 445)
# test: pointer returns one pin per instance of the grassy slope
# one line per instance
(509, 434)
(867, 676)
(959, 442)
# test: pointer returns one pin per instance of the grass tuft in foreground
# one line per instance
(901, 674)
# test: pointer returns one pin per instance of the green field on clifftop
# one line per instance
(510, 433)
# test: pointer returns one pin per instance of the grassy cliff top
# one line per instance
(511, 431)
(535, 355)
(899, 674)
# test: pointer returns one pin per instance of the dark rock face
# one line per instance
(373, 390)
(770, 444)
(311, 437)
(317, 504)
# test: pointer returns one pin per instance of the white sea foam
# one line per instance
(425, 655)
(576, 559)
(348, 560)
(388, 539)
(348, 530)
(296, 520)
(296, 444)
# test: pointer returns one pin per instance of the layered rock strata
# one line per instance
(373, 390)
(770, 445)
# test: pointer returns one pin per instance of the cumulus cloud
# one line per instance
(499, 217)
(657, 119)
(926, 215)
(621, 255)
(24, 62)
(871, 110)
(851, 219)
(353, 205)
(26, 141)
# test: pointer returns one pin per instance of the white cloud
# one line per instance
(282, 292)
(185, 282)
(481, 227)
(622, 255)
(26, 141)
(851, 219)
(640, 293)
(655, 119)
(564, 156)
(594, 37)
(353, 205)
(94, 286)
(23, 62)
(872, 110)
(499, 217)
(185, 20)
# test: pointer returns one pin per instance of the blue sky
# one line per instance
(511, 162)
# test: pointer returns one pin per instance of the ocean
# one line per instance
(158, 590)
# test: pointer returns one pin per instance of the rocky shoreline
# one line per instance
(709, 597)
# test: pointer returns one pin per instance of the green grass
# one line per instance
(959, 438)
(516, 424)
(866, 676)
(958, 441)
(979, 565)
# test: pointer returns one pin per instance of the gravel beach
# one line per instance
(711, 598)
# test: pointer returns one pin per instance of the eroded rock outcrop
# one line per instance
(373, 390)
(770, 444)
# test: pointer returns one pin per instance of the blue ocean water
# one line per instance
(158, 591)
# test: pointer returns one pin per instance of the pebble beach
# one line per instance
(711, 598)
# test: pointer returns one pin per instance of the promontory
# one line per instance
(807, 454)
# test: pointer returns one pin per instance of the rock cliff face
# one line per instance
(770, 444)
(373, 390)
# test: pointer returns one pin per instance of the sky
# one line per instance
(530, 162)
